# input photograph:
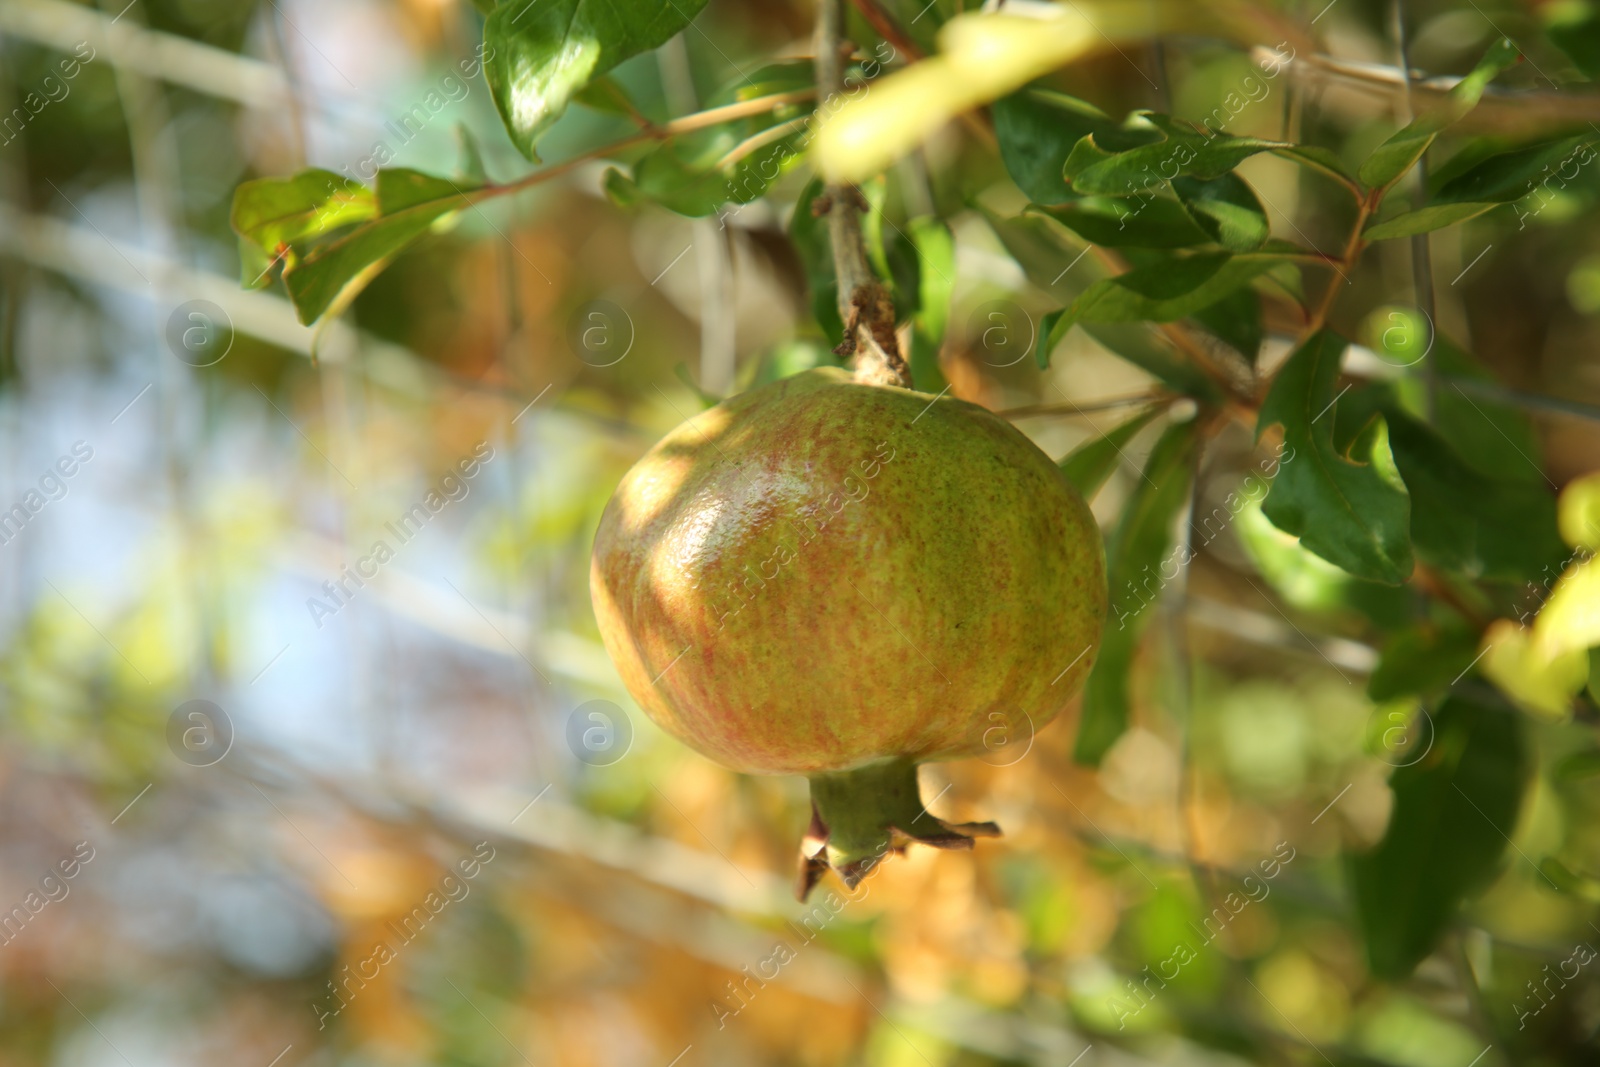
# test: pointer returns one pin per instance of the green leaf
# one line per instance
(731, 162)
(605, 94)
(1421, 661)
(1492, 435)
(1402, 150)
(936, 264)
(1425, 220)
(1226, 208)
(1236, 319)
(1316, 158)
(1128, 222)
(1137, 550)
(273, 214)
(1350, 509)
(1037, 130)
(1166, 290)
(1044, 253)
(1180, 153)
(1466, 523)
(1091, 463)
(542, 52)
(332, 274)
(1454, 811)
(400, 188)
(1510, 176)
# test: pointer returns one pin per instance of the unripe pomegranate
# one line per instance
(843, 580)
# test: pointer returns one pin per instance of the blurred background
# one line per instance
(322, 807)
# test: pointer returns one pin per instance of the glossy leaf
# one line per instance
(1226, 208)
(1037, 129)
(1091, 463)
(1179, 153)
(1402, 150)
(1351, 508)
(1135, 556)
(1129, 222)
(1454, 811)
(541, 53)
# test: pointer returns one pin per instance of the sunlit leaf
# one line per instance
(1541, 679)
(1036, 129)
(275, 213)
(1579, 512)
(1570, 618)
(543, 52)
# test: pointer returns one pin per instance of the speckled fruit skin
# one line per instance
(818, 574)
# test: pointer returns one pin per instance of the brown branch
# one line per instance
(864, 303)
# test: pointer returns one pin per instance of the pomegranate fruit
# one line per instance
(842, 580)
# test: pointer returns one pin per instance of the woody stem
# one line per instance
(865, 305)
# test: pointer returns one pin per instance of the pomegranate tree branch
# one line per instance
(864, 302)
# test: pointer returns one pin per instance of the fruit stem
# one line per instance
(859, 816)
(864, 303)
